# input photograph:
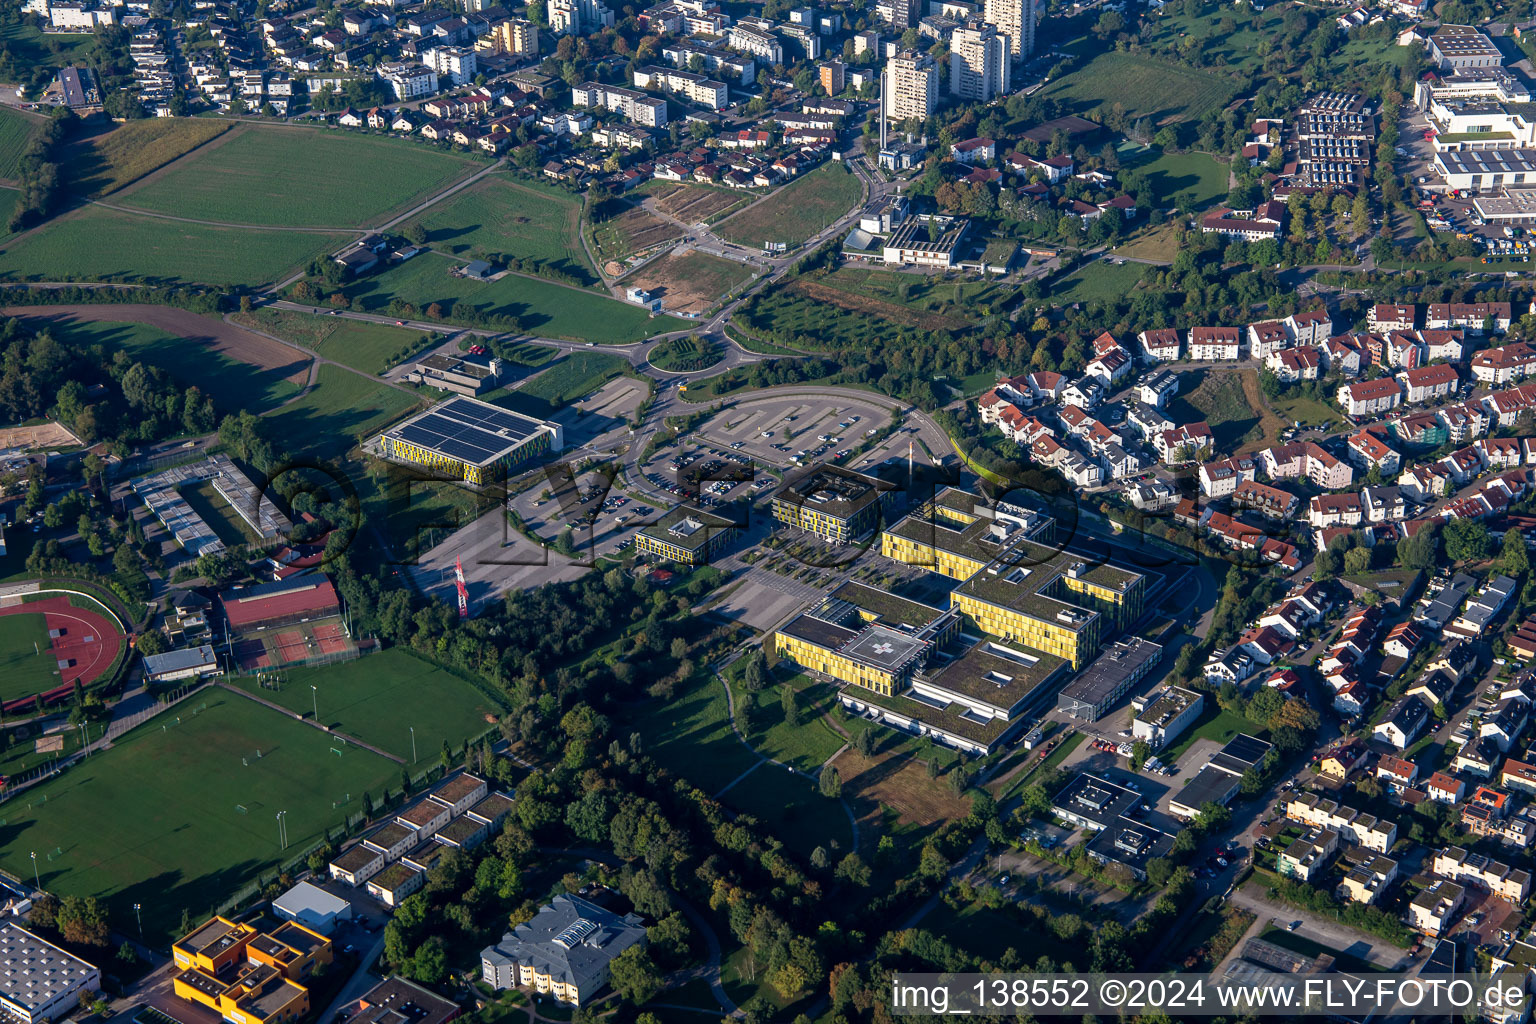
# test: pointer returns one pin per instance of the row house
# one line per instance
(1511, 884)
(1269, 501)
(1429, 383)
(1094, 433)
(1402, 641)
(1161, 345)
(1295, 364)
(1306, 460)
(1464, 422)
(1504, 364)
(1463, 465)
(1353, 826)
(1220, 479)
(1385, 317)
(1215, 344)
(1370, 397)
(1368, 449)
(1505, 406)
(1501, 452)
(1470, 316)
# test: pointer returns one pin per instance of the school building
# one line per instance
(248, 976)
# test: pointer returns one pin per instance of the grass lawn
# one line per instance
(230, 383)
(340, 411)
(685, 355)
(1200, 177)
(807, 745)
(930, 293)
(798, 210)
(22, 754)
(30, 47)
(167, 794)
(15, 129)
(1157, 243)
(379, 697)
(25, 663)
(1144, 86)
(298, 178)
(1217, 396)
(500, 216)
(1214, 724)
(544, 308)
(99, 244)
(569, 378)
(8, 198)
(134, 149)
(690, 735)
(792, 809)
(1309, 412)
(1097, 280)
(363, 346)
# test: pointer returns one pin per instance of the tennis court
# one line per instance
(292, 645)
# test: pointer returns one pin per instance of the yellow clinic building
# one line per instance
(470, 440)
(1017, 585)
(686, 535)
(836, 504)
(866, 637)
(249, 976)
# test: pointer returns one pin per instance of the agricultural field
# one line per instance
(693, 204)
(798, 210)
(501, 216)
(690, 282)
(368, 347)
(231, 384)
(131, 150)
(16, 129)
(8, 198)
(1231, 403)
(1197, 176)
(1098, 280)
(189, 800)
(624, 234)
(1144, 86)
(341, 410)
(379, 698)
(955, 299)
(96, 244)
(25, 665)
(289, 177)
(544, 307)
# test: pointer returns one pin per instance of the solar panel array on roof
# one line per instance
(468, 431)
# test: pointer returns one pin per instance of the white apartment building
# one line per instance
(911, 86)
(978, 63)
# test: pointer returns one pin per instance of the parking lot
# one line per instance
(786, 431)
(606, 410)
(1448, 210)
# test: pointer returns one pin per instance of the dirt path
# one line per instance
(1271, 423)
(225, 338)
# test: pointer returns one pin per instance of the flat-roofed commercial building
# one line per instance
(1110, 677)
(248, 976)
(1016, 587)
(866, 637)
(685, 535)
(466, 374)
(1455, 47)
(836, 504)
(41, 982)
(470, 440)
(1168, 713)
(1481, 170)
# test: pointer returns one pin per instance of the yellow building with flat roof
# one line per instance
(246, 975)
(1016, 584)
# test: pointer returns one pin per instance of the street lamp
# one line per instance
(413, 743)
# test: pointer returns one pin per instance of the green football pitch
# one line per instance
(381, 697)
(182, 812)
(25, 665)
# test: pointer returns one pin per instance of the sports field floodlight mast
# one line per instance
(413, 743)
(140, 918)
(315, 690)
(35, 876)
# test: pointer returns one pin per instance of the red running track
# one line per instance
(89, 639)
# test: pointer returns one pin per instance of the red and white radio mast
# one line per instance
(458, 578)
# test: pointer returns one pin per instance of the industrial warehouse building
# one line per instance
(470, 440)
(685, 535)
(41, 982)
